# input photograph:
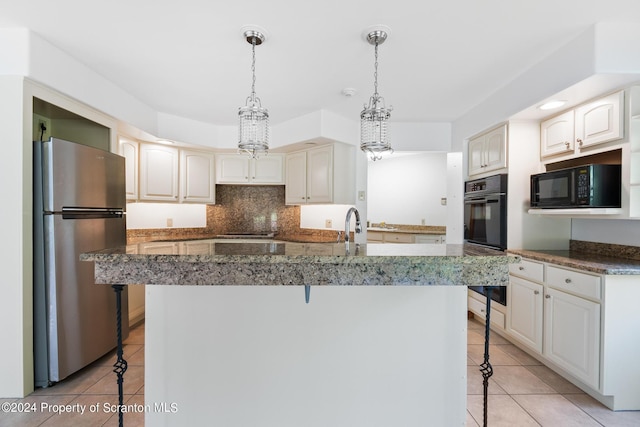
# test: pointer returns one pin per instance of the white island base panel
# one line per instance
(260, 356)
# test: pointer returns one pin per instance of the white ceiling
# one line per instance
(188, 57)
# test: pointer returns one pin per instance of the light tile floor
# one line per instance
(522, 392)
(94, 385)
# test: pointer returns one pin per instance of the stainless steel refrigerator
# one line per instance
(79, 206)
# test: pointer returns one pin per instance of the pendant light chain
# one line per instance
(375, 73)
(253, 69)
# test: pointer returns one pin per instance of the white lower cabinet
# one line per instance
(581, 324)
(572, 335)
(524, 302)
(555, 311)
(477, 304)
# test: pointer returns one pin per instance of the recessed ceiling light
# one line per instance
(349, 92)
(550, 105)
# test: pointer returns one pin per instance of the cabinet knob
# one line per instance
(567, 280)
(547, 296)
(567, 144)
(521, 268)
(536, 292)
(579, 141)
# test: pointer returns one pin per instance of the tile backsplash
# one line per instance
(243, 209)
(250, 209)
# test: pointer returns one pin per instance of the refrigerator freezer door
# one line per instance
(82, 315)
(81, 176)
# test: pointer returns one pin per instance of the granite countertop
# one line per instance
(410, 229)
(245, 262)
(595, 257)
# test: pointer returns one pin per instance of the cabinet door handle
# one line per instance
(547, 296)
(536, 292)
(567, 144)
(567, 280)
(579, 141)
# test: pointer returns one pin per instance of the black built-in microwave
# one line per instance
(588, 186)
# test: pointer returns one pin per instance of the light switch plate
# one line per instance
(362, 195)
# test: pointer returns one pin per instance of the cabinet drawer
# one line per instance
(398, 238)
(375, 236)
(480, 308)
(528, 270)
(574, 282)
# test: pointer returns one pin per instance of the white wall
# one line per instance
(155, 215)
(406, 188)
(616, 231)
(16, 358)
(455, 198)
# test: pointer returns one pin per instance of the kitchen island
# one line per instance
(233, 338)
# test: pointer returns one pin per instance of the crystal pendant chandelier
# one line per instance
(253, 118)
(374, 119)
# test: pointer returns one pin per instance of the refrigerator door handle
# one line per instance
(90, 213)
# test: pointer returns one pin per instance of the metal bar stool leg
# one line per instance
(485, 367)
(120, 367)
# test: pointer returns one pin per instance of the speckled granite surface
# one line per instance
(601, 258)
(410, 229)
(243, 262)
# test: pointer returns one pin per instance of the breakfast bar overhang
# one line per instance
(289, 334)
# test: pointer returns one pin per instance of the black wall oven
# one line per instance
(485, 220)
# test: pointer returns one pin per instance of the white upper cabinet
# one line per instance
(296, 181)
(556, 135)
(159, 172)
(241, 169)
(321, 175)
(267, 169)
(600, 121)
(232, 169)
(129, 150)
(488, 152)
(196, 177)
(576, 131)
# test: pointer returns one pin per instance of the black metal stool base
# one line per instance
(120, 367)
(485, 368)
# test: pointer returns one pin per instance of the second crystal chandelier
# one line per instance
(374, 119)
(253, 119)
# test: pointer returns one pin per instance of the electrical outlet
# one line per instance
(362, 195)
(328, 223)
(43, 130)
(423, 221)
(169, 222)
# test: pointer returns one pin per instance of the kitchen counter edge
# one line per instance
(606, 265)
